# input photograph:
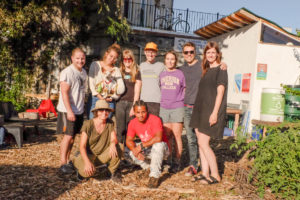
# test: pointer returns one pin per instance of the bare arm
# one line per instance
(214, 115)
(131, 145)
(89, 168)
(94, 68)
(65, 88)
(113, 141)
(137, 92)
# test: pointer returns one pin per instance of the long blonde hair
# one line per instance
(134, 67)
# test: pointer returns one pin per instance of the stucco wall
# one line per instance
(282, 68)
(239, 49)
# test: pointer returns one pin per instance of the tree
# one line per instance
(35, 36)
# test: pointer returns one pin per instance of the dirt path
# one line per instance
(32, 173)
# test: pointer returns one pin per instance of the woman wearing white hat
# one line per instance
(98, 144)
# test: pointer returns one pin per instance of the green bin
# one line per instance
(292, 105)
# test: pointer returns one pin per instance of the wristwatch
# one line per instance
(142, 147)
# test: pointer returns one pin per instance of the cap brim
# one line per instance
(151, 49)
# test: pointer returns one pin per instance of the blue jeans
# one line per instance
(191, 137)
(2, 134)
(91, 104)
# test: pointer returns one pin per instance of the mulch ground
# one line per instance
(31, 172)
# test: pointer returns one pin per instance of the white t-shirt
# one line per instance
(150, 81)
(108, 84)
(78, 85)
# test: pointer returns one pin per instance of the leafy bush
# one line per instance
(276, 161)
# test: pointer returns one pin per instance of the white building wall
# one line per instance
(282, 68)
(239, 49)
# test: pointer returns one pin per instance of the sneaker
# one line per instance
(70, 164)
(153, 182)
(191, 171)
(4, 146)
(66, 169)
(174, 168)
(116, 177)
(145, 166)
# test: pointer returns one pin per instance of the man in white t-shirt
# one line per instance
(150, 70)
(73, 84)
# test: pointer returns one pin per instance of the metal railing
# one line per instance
(163, 18)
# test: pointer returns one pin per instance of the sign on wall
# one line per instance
(242, 83)
(261, 71)
(246, 82)
(237, 83)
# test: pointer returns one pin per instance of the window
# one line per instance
(270, 35)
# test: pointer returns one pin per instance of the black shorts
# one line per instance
(68, 127)
(153, 108)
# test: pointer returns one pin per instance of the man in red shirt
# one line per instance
(153, 143)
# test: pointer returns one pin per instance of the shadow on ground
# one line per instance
(33, 182)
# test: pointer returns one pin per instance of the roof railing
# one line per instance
(164, 18)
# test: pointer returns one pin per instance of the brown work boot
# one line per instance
(153, 182)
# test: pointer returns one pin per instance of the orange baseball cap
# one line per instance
(151, 46)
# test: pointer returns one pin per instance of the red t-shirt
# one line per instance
(147, 130)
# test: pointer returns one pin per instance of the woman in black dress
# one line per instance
(208, 117)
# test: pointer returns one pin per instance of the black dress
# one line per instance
(205, 102)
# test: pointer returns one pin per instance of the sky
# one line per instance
(285, 13)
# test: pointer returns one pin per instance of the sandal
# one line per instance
(197, 178)
(210, 182)
(213, 180)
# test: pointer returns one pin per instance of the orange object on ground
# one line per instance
(45, 106)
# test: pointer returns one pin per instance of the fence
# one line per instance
(163, 18)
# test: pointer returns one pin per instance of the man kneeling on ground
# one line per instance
(153, 144)
(98, 144)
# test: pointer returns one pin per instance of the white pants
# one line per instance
(156, 153)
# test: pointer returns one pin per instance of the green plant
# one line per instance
(290, 90)
(36, 37)
(276, 161)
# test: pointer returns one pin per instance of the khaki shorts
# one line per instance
(175, 115)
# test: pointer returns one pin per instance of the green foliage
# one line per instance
(276, 161)
(118, 30)
(33, 32)
(289, 90)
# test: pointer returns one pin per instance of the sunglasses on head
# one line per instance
(127, 59)
(188, 52)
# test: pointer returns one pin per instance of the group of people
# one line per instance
(143, 108)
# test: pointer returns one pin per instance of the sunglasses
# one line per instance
(127, 59)
(188, 52)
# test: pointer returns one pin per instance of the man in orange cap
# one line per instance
(150, 71)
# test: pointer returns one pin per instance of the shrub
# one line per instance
(276, 161)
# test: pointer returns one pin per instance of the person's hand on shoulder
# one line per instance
(223, 66)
